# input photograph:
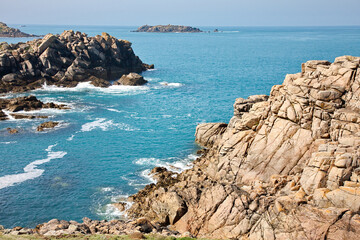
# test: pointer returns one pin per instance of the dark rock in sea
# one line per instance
(12, 130)
(167, 29)
(27, 103)
(6, 31)
(46, 125)
(25, 116)
(99, 82)
(216, 30)
(131, 79)
(65, 60)
(3, 116)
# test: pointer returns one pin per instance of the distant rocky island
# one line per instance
(167, 29)
(6, 31)
(67, 59)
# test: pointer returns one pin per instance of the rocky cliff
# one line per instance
(6, 31)
(65, 60)
(287, 166)
(167, 28)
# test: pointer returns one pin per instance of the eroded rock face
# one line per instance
(65, 60)
(285, 167)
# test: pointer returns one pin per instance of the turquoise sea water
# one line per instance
(111, 138)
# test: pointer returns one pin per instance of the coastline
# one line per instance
(224, 184)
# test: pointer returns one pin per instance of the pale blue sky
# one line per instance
(184, 12)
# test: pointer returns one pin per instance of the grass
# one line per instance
(89, 237)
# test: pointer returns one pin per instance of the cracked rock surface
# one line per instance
(287, 166)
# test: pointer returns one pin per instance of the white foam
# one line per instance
(151, 70)
(171, 84)
(114, 110)
(88, 87)
(30, 171)
(101, 123)
(12, 142)
(107, 189)
(70, 138)
(175, 166)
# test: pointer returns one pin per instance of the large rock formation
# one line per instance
(167, 28)
(286, 166)
(6, 31)
(65, 60)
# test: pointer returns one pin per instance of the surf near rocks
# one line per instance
(65, 60)
(285, 167)
(9, 107)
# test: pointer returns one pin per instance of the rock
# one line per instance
(167, 29)
(132, 79)
(12, 130)
(28, 103)
(285, 167)
(46, 125)
(6, 31)
(98, 82)
(65, 60)
(136, 235)
(120, 205)
(3, 116)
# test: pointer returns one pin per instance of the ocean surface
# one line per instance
(109, 140)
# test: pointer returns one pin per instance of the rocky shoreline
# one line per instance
(168, 29)
(6, 31)
(286, 166)
(65, 60)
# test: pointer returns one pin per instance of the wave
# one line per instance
(12, 142)
(88, 87)
(151, 70)
(101, 123)
(31, 171)
(71, 137)
(177, 166)
(171, 84)
(114, 110)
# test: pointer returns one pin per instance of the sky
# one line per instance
(182, 12)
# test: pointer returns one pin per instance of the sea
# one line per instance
(110, 139)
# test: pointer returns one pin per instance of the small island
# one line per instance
(6, 31)
(168, 29)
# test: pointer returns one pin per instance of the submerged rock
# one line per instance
(285, 167)
(65, 60)
(12, 130)
(131, 79)
(46, 125)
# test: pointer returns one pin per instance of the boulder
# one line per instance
(46, 125)
(131, 79)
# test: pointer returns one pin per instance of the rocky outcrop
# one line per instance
(46, 125)
(6, 31)
(57, 227)
(65, 60)
(286, 166)
(131, 79)
(28, 103)
(167, 29)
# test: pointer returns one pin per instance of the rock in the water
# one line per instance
(46, 125)
(99, 82)
(167, 29)
(285, 167)
(65, 60)
(12, 130)
(131, 79)
(3, 116)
